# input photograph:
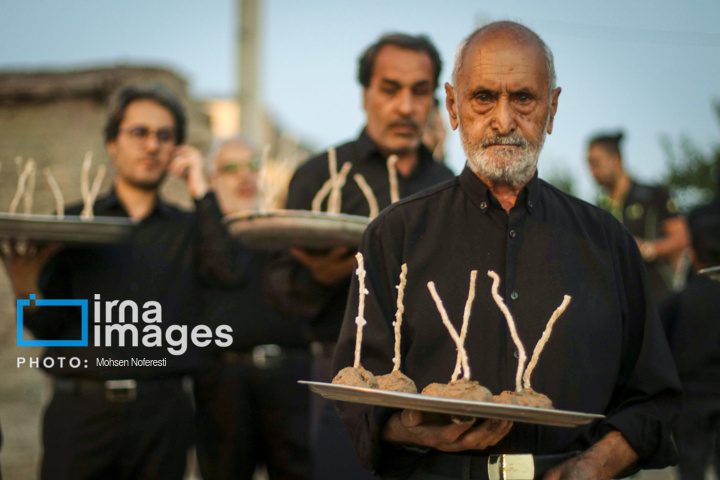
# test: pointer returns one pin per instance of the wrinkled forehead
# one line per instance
(504, 55)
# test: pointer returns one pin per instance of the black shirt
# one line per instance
(288, 283)
(607, 353)
(704, 215)
(692, 321)
(164, 259)
(643, 211)
(251, 317)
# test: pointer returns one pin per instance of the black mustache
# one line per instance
(405, 123)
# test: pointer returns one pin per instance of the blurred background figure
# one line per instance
(250, 410)
(692, 324)
(648, 212)
(399, 76)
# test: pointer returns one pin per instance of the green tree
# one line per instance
(692, 175)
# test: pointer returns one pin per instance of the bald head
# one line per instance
(513, 32)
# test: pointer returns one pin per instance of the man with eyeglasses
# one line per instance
(250, 409)
(126, 421)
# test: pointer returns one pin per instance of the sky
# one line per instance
(650, 67)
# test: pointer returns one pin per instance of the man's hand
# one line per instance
(410, 427)
(327, 269)
(187, 163)
(24, 263)
(603, 461)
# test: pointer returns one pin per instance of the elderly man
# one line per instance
(250, 409)
(116, 418)
(607, 354)
(399, 74)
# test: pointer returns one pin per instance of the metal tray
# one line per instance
(280, 229)
(71, 229)
(712, 272)
(425, 403)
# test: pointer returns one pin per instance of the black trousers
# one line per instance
(697, 427)
(87, 436)
(249, 415)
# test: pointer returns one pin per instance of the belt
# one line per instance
(493, 467)
(117, 391)
(265, 356)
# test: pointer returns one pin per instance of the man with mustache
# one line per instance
(607, 353)
(399, 74)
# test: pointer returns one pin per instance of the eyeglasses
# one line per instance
(233, 167)
(141, 134)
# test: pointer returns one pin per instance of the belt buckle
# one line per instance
(511, 467)
(120, 391)
(266, 356)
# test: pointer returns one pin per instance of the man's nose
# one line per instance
(405, 102)
(151, 142)
(503, 117)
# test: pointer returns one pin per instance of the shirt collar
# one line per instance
(368, 149)
(111, 206)
(481, 196)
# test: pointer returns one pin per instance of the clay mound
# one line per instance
(397, 382)
(356, 377)
(460, 389)
(527, 397)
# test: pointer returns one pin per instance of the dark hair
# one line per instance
(155, 92)
(419, 43)
(611, 143)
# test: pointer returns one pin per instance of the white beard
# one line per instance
(511, 166)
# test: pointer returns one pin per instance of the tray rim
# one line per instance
(560, 418)
(69, 229)
(282, 229)
(247, 215)
(711, 272)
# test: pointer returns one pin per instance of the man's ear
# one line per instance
(451, 105)
(111, 149)
(364, 99)
(553, 108)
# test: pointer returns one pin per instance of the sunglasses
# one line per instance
(141, 134)
(233, 167)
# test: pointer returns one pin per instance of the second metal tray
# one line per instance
(280, 229)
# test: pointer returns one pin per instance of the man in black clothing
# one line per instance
(250, 409)
(648, 212)
(691, 321)
(399, 74)
(607, 353)
(111, 418)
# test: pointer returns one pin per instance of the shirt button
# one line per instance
(514, 295)
(529, 204)
(483, 206)
(516, 354)
(512, 234)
